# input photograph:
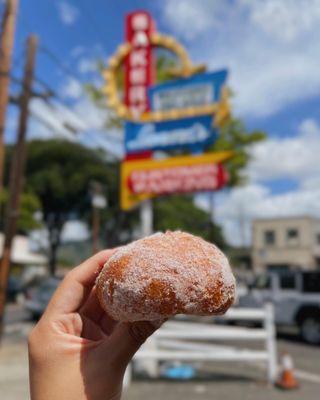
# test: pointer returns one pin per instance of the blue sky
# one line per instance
(271, 49)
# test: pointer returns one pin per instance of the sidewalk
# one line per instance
(225, 382)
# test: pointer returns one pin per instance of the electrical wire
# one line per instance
(63, 67)
(69, 72)
(73, 130)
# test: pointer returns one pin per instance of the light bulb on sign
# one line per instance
(140, 39)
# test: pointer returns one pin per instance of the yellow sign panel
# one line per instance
(129, 198)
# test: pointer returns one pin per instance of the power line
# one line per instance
(65, 124)
(63, 67)
(46, 123)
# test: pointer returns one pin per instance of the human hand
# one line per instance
(76, 351)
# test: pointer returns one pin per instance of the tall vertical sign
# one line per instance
(183, 114)
(139, 75)
(139, 66)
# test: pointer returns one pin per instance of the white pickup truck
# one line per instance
(295, 296)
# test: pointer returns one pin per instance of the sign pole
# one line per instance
(146, 218)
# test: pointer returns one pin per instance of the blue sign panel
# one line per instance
(196, 91)
(192, 133)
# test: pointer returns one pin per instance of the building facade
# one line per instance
(286, 243)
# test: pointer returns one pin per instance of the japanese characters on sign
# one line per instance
(139, 63)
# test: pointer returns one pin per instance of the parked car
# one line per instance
(38, 297)
(296, 298)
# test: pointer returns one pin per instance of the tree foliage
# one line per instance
(30, 204)
(59, 174)
(180, 212)
(234, 136)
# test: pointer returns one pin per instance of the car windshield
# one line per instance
(311, 282)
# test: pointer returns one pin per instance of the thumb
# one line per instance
(127, 338)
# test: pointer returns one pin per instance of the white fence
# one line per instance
(193, 341)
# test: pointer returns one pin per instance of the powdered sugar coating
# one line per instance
(163, 275)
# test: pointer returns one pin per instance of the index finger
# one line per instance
(77, 284)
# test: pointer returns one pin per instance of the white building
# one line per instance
(22, 253)
(283, 243)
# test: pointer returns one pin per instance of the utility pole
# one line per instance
(6, 48)
(17, 173)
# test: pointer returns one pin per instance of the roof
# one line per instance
(21, 252)
(287, 218)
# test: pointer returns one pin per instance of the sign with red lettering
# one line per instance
(144, 179)
(139, 67)
(180, 179)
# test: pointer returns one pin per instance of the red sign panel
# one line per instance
(139, 67)
(179, 179)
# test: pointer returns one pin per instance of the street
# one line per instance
(218, 380)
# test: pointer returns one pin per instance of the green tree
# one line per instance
(180, 212)
(234, 136)
(30, 204)
(60, 173)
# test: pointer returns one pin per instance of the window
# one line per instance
(311, 282)
(287, 282)
(292, 236)
(278, 267)
(269, 237)
(292, 233)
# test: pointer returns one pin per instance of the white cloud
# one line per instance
(284, 20)
(68, 13)
(191, 18)
(82, 122)
(236, 209)
(48, 121)
(71, 89)
(294, 157)
(269, 47)
(87, 65)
